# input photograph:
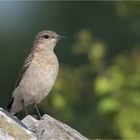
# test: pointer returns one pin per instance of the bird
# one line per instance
(38, 73)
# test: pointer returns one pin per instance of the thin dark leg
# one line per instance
(37, 110)
(25, 109)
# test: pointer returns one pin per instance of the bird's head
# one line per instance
(47, 39)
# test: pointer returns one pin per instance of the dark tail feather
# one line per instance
(10, 105)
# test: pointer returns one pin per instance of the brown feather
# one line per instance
(24, 68)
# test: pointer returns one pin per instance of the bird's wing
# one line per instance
(24, 68)
(22, 72)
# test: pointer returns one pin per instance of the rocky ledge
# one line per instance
(32, 129)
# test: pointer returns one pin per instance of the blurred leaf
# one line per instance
(134, 98)
(108, 105)
(58, 101)
(128, 123)
(117, 77)
(83, 42)
(102, 85)
(97, 51)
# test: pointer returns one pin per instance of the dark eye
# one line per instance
(46, 36)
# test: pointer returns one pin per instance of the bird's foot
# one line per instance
(37, 117)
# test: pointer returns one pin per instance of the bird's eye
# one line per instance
(46, 36)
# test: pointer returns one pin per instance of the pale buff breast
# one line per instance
(38, 80)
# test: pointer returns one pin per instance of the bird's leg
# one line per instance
(38, 113)
(25, 109)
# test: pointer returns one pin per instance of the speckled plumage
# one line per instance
(38, 74)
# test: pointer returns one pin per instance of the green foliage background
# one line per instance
(98, 88)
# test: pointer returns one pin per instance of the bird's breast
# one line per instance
(45, 69)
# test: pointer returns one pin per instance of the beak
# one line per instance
(60, 37)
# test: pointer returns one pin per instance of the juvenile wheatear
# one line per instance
(38, 73)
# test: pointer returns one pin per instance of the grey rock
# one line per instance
(10, 129)
(31, 129)
(51, 129)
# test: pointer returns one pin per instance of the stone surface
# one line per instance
(31, 129)
(12, 129)
(51, 129)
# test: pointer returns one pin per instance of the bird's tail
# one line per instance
(10, 105)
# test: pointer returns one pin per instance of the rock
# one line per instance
(31, 129)
(12, 129)
(51, 129)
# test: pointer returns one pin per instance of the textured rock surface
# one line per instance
(12, 129)
(51, 129)
(46, 129)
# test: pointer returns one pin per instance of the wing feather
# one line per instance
(24, 68)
